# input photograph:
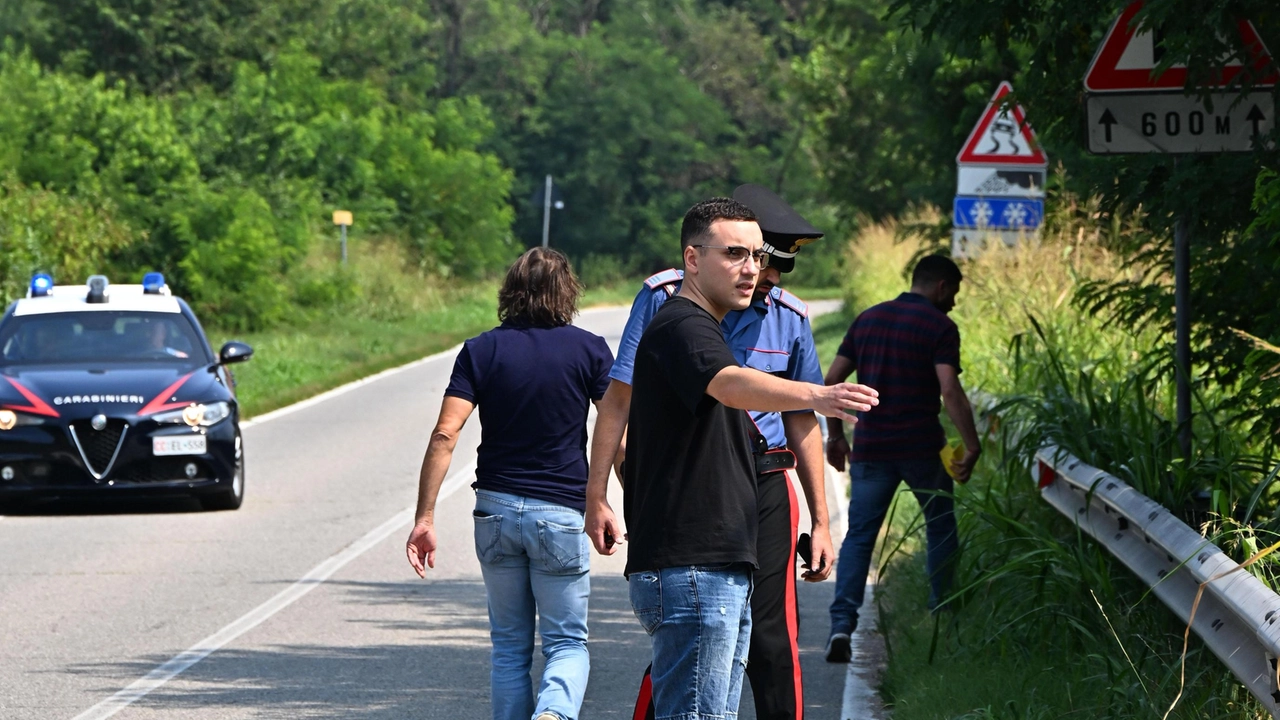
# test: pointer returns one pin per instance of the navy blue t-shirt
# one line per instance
(533, 386)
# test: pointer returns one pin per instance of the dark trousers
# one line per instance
(773, 660)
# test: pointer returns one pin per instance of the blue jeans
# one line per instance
(700, 620)
(871, 489)
(534, 556)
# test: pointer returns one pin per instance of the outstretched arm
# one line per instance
(444, 438)
(749, 389)
(837, 445)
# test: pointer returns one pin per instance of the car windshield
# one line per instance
(100, 336)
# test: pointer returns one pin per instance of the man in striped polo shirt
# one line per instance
(909, 350)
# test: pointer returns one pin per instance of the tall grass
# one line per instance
(1045, 623)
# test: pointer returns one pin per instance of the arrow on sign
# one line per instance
(1107, 120)
(1255, 116)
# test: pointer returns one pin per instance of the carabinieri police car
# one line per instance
(114, 389)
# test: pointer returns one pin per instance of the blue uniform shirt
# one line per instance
(771, 335)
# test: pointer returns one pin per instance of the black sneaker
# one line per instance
(839, 649)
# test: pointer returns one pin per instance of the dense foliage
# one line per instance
(898, 84)
(218, 136)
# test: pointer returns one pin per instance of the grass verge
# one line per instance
(294, 363)
(1046, 624)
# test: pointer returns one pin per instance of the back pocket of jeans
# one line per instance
(488, 534)
(564, 548)
(646, 598)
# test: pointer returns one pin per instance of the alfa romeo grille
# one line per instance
(98, 448)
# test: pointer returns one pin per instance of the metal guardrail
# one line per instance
(1238, 617)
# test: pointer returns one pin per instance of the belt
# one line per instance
(775, 460)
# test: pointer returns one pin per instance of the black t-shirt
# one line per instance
(689, 495)
(534, 386)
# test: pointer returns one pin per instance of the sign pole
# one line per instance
(546, 214)
(343, 218)
(1182, 329)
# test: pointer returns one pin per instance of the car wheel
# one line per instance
(232, 497)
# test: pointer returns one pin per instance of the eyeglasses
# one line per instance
(737, 254)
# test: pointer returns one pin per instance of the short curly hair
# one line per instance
(540, 290)
(699, 218)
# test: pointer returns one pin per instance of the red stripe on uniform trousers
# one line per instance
(645, 700)
(793, 610)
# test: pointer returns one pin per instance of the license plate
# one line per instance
(193, 445)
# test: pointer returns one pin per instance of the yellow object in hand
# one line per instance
(953, 452)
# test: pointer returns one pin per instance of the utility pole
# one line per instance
(546, 213)
(1182, 329)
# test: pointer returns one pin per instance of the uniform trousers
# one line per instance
(773, 659)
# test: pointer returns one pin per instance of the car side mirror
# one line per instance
(234, 352)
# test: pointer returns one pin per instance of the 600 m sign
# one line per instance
(1176, 123)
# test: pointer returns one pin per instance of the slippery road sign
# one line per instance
(1002, 136)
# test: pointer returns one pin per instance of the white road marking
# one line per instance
(176, 665)
(343, 389)
(860, 699)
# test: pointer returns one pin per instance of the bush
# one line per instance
(68, 237)
(597, 270)
(234, 261)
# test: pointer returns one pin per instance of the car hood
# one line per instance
(76, 392)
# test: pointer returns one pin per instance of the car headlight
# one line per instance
(10, 419)
(195, 414)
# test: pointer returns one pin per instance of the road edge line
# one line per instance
(859, 697)
(179, 663)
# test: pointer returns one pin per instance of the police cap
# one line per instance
(784, 230)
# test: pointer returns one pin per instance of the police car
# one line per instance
(113, 389)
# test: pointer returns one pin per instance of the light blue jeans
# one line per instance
(700, 620)
(534, 556)
(872, 486)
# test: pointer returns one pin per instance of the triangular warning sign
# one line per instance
(1127, 58)
(1002, 137)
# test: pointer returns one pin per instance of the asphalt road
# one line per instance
(300, 604)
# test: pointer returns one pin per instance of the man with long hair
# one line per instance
(533, 378)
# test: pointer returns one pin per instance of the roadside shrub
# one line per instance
(68, 237)
(234, 260)
(595, 270)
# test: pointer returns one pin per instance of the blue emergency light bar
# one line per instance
(41, 284)
(153, 283)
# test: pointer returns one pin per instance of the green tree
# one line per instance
(1219, 195)
(47, 231)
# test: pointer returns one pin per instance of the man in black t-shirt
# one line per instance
(689, 492)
